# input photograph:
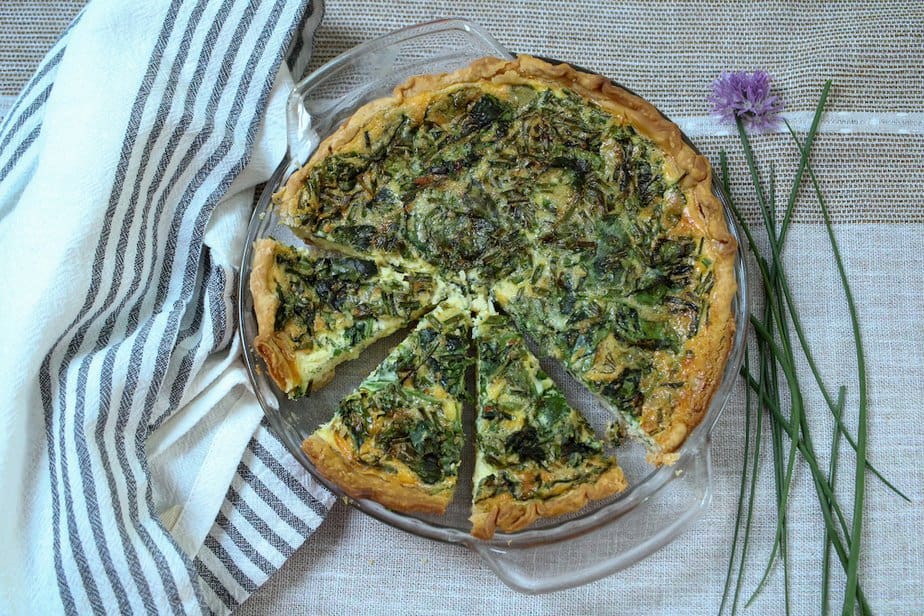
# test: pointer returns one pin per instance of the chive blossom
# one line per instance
(746, 96)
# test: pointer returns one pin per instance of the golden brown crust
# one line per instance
(263, 285)
(279, 358)
(507, 514)
(712, 345)
(703, 369)
(361, 481)
(703, 215)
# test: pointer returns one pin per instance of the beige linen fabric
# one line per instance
(669, 52)
(29, 28)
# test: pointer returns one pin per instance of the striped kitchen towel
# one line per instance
(139, 473)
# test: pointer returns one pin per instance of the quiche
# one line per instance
(315, 312)
(535, 455)
(571, 205)
(398, 438)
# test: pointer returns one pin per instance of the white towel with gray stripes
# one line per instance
(138, 471)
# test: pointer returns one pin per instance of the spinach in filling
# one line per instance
(548, 200)
(535, 444)
(409, 409)
(401, 426)
(341, 293)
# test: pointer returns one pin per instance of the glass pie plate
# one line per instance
(556, 553)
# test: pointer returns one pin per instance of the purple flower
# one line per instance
(747, 96)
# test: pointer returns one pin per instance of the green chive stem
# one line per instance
(741, 489)
(803, 159)
(832, 472)
(860, 474)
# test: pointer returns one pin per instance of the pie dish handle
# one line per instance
(319, 103)
(569, 561)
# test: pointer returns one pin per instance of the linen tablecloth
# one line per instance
(869, 157)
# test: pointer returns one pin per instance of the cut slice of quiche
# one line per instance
(397, 439)
(536, 456)
(315, 312)
(631, 319)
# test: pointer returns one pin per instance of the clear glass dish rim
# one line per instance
(696, 444)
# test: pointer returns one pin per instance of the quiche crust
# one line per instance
(278, 355)
(507, 514)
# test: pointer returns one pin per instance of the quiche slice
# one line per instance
(315, 312)
(397, 439)
(536, 456)
(639, 335)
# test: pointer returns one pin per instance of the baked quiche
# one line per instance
(571, 204)
(317, 311)
(576, 204)
(535, 456)
(398, 438)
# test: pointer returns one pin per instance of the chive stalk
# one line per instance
(777, 368)
(741, 489)
(850, 596)
(832, 472)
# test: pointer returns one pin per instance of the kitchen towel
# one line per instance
(140, 475)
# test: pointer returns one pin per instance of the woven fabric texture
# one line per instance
(669, 52)
(29, 29)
